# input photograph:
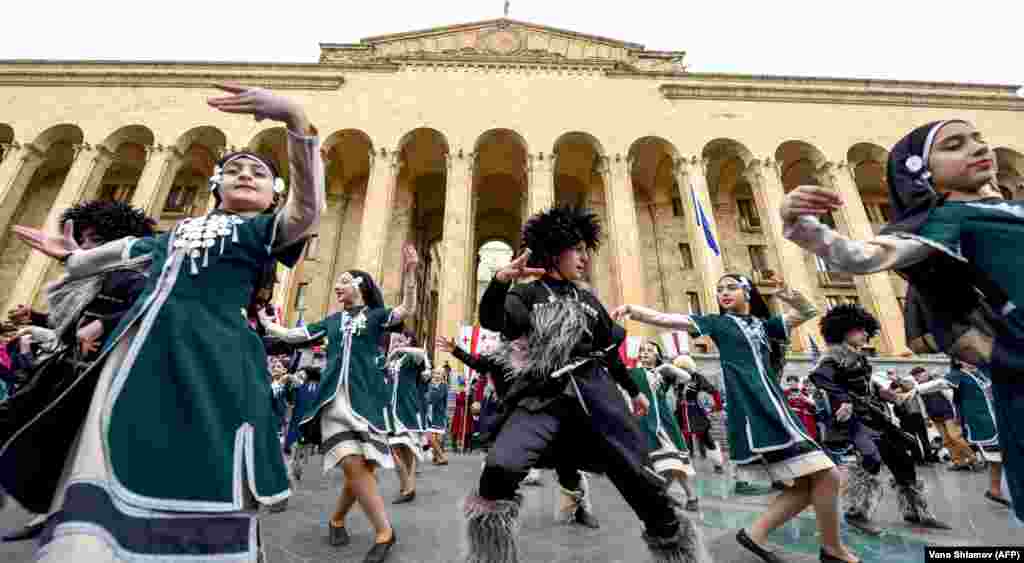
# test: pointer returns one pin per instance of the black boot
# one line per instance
(492, 530)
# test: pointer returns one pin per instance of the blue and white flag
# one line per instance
(702, 222)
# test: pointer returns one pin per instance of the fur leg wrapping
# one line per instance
(715, 456)
(492, 530)
(863, 494)
(687, 546)
(913, 501)
(568, 502)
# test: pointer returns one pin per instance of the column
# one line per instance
(876, 291)
(767, 187)
(691, 180)
(86, 170)
(623, 234)
(541, 192)
(161, 166)
(380, 194)
(19, 164)
(456, 249)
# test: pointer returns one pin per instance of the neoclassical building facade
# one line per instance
(449, 138)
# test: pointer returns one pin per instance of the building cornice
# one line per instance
(695, 86)
(279, 76)
(500, 22)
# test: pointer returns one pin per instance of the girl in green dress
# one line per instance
(957, 243)
(179, 446)
(973, 398)
(351, 410)
(408, 372)
(766, 440)
(669, 454)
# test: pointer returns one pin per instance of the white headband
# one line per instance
(218, 172)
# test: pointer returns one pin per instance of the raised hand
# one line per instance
(446, 345)
(621, 312)
(641, 406)
(89, 336)
(20, 314)
(410, 257)
(54, 246)
(261, 104)
(809, 200)
(518, 269)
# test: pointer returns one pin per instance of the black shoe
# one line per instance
(586, 518)
(827, 557)
(692, 505)
(863, 524)
(927, 522)
(997, 500)
(380, 551)
(764, 554)
(26, 532)
(719, 470)
(405, 497)
(338, 536)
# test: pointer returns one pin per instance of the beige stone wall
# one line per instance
(539, 102)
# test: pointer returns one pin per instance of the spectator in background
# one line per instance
(938, 406)
(912, 417)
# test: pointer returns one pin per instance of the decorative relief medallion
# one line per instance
(503, 42)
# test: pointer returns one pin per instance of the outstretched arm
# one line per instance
(301, 213)
(650, 316)
(885, 252)
(288, 335)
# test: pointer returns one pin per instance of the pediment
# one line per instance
(502, 40)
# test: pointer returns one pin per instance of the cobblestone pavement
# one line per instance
(430, 529)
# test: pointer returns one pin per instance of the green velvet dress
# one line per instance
(668, 448)
(766, 440)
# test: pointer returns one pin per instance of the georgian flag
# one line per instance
(702, 222)
(629, 351)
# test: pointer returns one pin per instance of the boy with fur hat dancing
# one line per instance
(844, 375)
(562, 396)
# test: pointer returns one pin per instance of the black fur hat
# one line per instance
(550, 233)
(110, 220)
(841, 319)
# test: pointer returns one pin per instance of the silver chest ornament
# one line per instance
(197, 235)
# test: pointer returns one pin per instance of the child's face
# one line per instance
(731, 296)
(247, 186)
(961, 160)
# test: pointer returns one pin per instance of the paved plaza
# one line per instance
(430, 529)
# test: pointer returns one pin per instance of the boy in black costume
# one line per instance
(563, 367)
(861, 419)
(83, 312)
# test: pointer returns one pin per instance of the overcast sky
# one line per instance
(915, 40)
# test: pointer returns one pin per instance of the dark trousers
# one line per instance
(915, 424)
(877, 448)
(606, 440)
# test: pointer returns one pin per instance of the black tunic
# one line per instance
(507, 310)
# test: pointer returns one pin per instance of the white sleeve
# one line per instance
(881, 253)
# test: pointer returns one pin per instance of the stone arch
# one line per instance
(417, 217)
(347, 158)
(662, 226)
(127, 148)
(188, 194)
(1010, 174)
(33, 194)
(867, 163)
(500, 185)
(800, 163)
(579, 179)
(272, 144)
(739, 210)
